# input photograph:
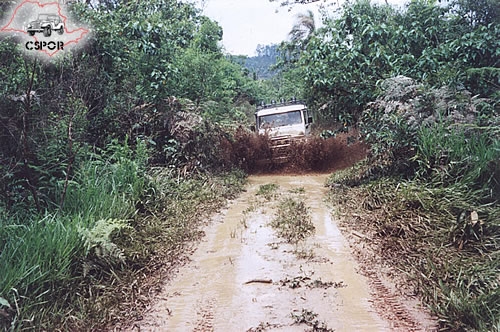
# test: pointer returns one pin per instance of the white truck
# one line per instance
(283, 123)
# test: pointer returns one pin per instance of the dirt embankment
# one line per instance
(243, 277)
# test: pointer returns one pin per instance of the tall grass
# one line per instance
(108, 184)
(442, 224)
(40, 255)
(459, 152)
(36, 260)
(459, 176)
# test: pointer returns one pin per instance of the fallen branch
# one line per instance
(260, 281)
(358, 234)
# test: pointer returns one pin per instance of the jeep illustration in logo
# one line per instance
(46, 23)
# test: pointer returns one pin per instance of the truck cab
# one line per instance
(283, 123)
(291, 120)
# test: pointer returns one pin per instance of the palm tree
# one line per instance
(303, 29)
(300, 35)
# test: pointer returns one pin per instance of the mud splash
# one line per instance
(244, 278)
(255, 154)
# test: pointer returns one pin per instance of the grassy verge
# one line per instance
(445, 238)
(428, 197)
(160, 238)
(96, 261)
(41, 255)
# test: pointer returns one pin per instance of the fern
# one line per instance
(98, 241)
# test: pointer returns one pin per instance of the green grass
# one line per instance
(36, 262)
(40, 256)
(293, 220)
(72, 267)
(268, 191)
(439, 224)
(459, 152)
(108, 187)
(427, 231)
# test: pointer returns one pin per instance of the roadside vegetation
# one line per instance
(428, 196)
(111, 159)
(90, 264)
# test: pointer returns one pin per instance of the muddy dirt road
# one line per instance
(243, 277)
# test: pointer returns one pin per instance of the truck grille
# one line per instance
(280, 147)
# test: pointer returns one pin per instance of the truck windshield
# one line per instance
(280, 119)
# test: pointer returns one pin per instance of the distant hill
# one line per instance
(261, 64)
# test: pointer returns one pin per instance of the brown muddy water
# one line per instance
(243, 277)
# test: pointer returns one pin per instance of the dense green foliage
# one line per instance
(342, 62)
(145, 63)
(423, 90)
(429, 194)
(42, 252)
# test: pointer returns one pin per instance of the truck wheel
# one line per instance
(31, 33)
(47, 31)
(60, 31)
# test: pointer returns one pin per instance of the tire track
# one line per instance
(205, 314)
(386, 300)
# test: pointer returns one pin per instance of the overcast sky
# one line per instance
(247, 23)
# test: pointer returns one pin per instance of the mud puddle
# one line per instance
(243, 277)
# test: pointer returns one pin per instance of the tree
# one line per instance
(303, 29)
(343, 61)
(208, 35)
(477, 12)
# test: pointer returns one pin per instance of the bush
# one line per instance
(415, 130)
(428, 195)
(41, 255)
(445, 239)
